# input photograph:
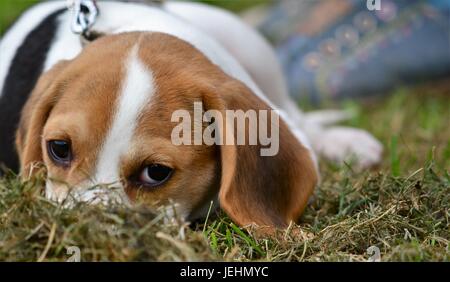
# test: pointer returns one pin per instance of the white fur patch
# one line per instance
(66, 45)
(137, 90)
(345, 144)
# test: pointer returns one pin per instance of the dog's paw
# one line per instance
(351, 145)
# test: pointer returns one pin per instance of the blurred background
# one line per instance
(339, 49)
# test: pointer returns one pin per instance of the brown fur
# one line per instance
(75, 100)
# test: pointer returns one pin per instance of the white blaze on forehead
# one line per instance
(137, 89)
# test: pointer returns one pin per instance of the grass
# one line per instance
(236, 6)
(402, 207)
(10, 10)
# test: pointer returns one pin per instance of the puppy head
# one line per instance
(107, 118)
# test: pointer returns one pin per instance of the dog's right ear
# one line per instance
(34, 116)
(269, 191)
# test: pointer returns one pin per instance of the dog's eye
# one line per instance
(60, 151)
(154, 175)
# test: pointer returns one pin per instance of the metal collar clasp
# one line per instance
(85, 14)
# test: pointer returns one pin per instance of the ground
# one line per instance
(402, 207)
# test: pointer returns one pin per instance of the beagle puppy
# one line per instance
(99, 117)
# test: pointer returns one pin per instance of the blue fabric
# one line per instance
(408, 41)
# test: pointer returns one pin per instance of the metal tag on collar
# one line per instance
(85, 13)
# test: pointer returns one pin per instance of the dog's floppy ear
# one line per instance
(263, 190)
(33, 118)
